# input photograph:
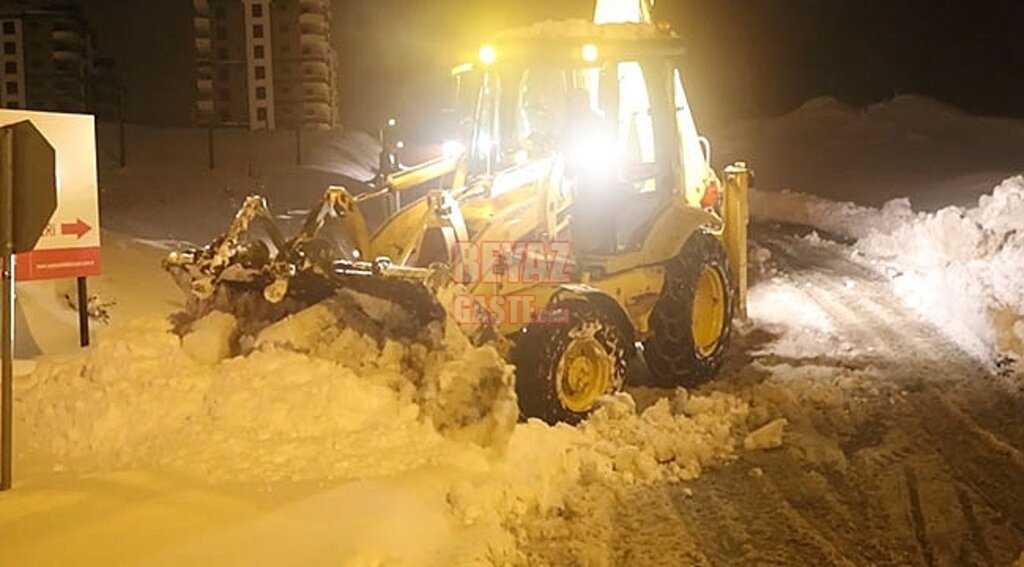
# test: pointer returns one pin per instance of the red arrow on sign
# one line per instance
(78, 228)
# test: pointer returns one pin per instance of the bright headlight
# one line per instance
(453, 149)
(488, 55)
(595, 154)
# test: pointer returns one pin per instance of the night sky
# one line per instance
(747, 58)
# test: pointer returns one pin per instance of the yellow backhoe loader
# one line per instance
(578, 219)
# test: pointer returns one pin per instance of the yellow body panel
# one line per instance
(737, 216)
(531, 202)
(633, 279)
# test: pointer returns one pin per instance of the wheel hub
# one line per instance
(708, 311)
(584, 374)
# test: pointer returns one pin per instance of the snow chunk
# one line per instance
(209, 341)
(767, 436)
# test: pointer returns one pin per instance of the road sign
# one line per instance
(70, 243)
(34, 183)
(27, 201)
(48, 212)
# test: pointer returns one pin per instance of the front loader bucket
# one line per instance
(263, 280)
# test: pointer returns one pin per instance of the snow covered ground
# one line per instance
(319, 426)
(858, 419)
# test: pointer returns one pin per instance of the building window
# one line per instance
(259, 52)
(8, 28)
(257, 10)
(261, 113)
(257, 30)
(225, 117)
(222, 54)
(222, 74)
(261, 72)
(261, 93)
(10, 67)
(225, 95)
(220, 13)
(10, 48)
(222, 32)
(12, 88)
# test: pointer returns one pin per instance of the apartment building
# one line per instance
(265, 64)
(48, 62)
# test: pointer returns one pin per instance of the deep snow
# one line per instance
(319, 443)
(318, 405)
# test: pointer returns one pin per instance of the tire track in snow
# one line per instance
(906, 351)
(917, 515)
(929, 469)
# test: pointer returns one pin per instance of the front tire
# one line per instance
(562, 368)
(691, 322)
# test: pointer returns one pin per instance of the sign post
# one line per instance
(83, 312)
(7, 333)
(28, 198)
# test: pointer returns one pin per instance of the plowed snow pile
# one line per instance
(964, 270)
(909, 145)
(961, 269)
(313, 402)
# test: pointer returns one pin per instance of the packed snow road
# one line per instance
(899, 448)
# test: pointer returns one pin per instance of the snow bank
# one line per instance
(907, 146)
(314, 402)
(964, 270)
(961, 269)
(344, 407)
(139, 400)
(840, 218)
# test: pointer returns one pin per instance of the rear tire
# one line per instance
(692, 321)
(562, 368)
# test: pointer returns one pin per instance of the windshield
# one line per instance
(526, 113)
(597, 118)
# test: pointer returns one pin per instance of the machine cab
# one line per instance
(599, 110)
